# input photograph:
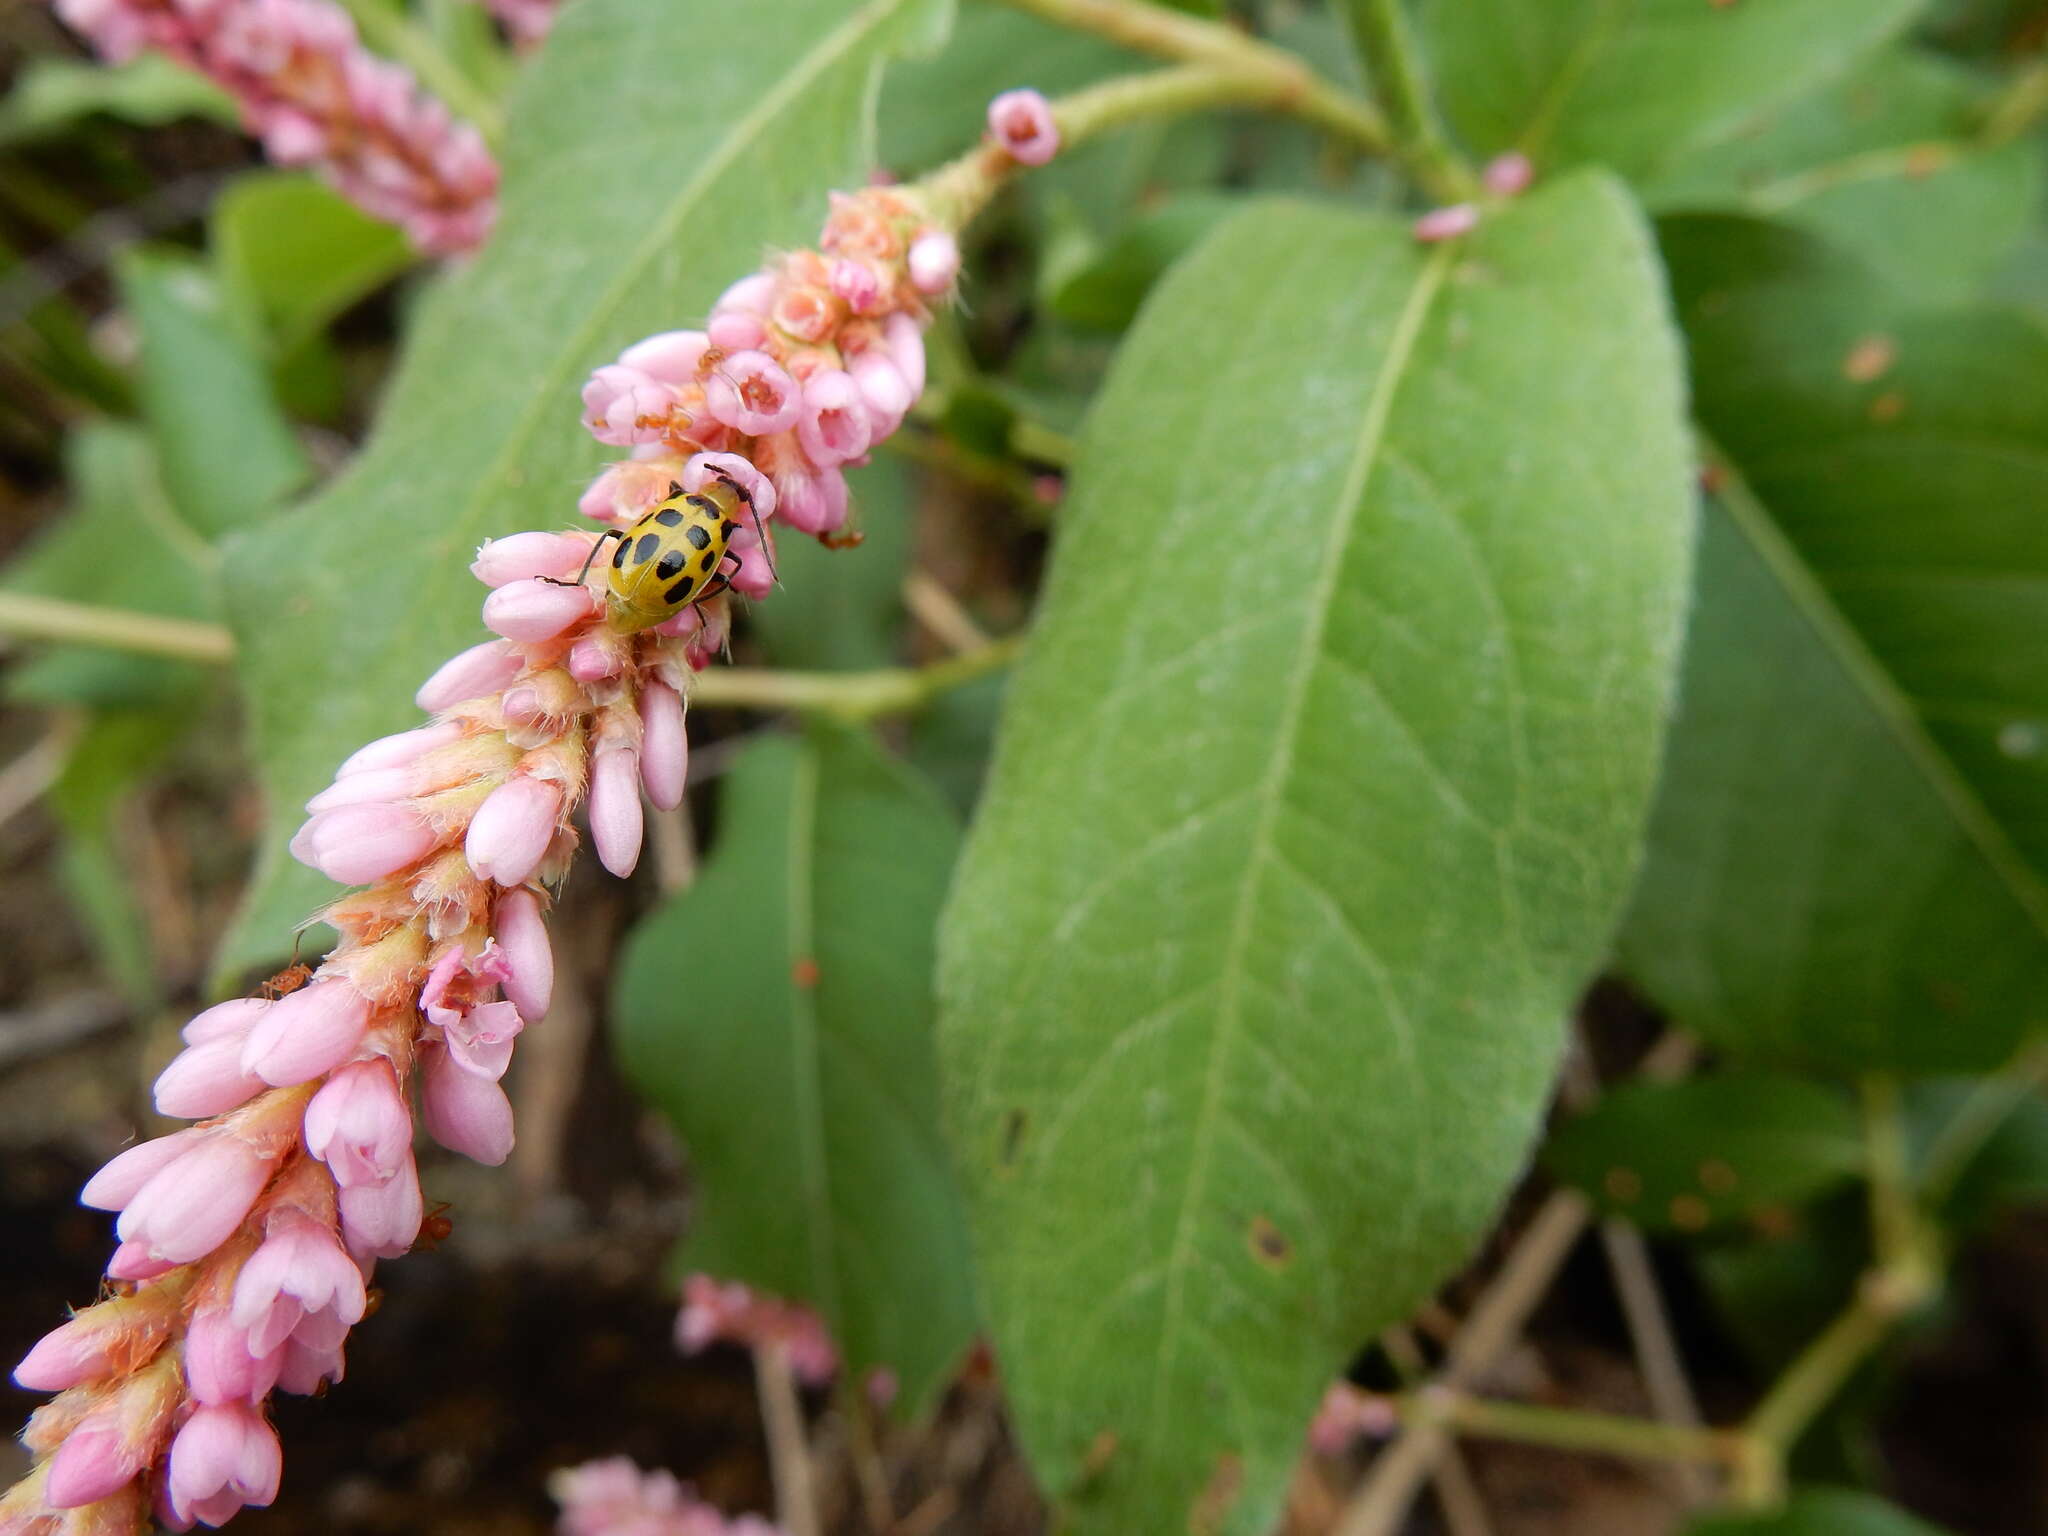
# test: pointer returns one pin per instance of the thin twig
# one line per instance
(940, 612)
(1457, 1495)
(789, 1452)
(31, 617)
(23, 781)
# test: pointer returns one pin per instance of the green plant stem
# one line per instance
(1036, 441)
(1393, 61)
(30, 617)
(397, 34)
(1570, 1429)
(2022, 104)
(848, 695)
(1987, 1108)
(1893, 1222)
(1286, 82)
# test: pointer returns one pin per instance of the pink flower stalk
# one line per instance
(315, 96)
(1021, 122)
(247, 1242)
(716, 1311)
(615, 1498)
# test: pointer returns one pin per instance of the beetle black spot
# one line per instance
(728, 529)
(678, 594)
(706, 560)
(698, 538)
(619, 555)
(670, 566)
(644, 550)
(668, 517)
(675, 489)
(703, 505)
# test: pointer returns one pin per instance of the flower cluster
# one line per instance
(615, 1498)
(248, 1240)
(725, 1311)
(315, 97)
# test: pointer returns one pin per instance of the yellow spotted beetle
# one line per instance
(673, 556)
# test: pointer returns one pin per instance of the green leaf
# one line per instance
(1314, 800)
(121, 545)
(1637, 83)
(851, 604)
(604, 237)
(1684, 1156)
(1891, 164)
(1103, 294)
(2008, 1169)
(780, 1014)
(51, 95)
(228, 454)
(1846, 864)
(1819, 1512)
(298, 254)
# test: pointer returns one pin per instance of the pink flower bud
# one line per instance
(753, 294)
(664, 746)
(225, 1458)
(737, 331)
(537, 610)
(464, 1112)
(615, 820)
(195, 1202)
(218, 1365)
(81, 1350)
(357, 1124)
(307, 1034)
(306, 1367)
(471, 674)
(480, 1039)
(629, 490)
(375, 786)
(623, 406)
(1441, 224)
(134, 1261)
(397, 751)
(883, 390)
(124, 1174)
(858, 285)
(300, 1269)
(97, 1458)
(592, 658)
(1508, 175)
(671, 356)
(705, 467)
(750, 393)
(834, 426)
(521, 932)
(358, 844)
(235, 1017)
(206, 1079)
(934, 261)
(382, 1220)
(815, 503)
(524, 556)
(1021, 121)
(906, 350)
(511, 831)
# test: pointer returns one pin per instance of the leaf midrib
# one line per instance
(1357, 480)
(1867, 671)
(807, 1089)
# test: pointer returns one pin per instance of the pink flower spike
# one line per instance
(906, 350)
(357, 1124)
(522, 933)
(96, 1459)
(206, 1079)
(307, 1034)
(194, 1204)
(510, 833)
(753, 294)
(396, 751)
(934, 261)
(524, 556)
(615, 820)
(471, 674)
(706, 467)
(359, 844)
(750, 393)
(218, 1365)
(464, 1112)
(121, 1180)
(664, 746)
(382, 1221)
(299, 1270)
(1021, 121)
(672, 356)
(224, 1459)
(236, 1017)
(1441, 224)
(884, 391)
(835, 425)
(1508, 175)
(537, 610)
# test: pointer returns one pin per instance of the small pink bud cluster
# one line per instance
(801, 369)
(526, 22)
(315, 96)
(1347, 1416)
(1021, 124)
(615, 1498)
(725, 1311)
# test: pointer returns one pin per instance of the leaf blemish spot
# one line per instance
(1212, 1507)
(1689, 1213)
(1871, 358)
(1269, 1244)
(1100, 1453)
(2020, 738)
(1622, 1185)
(1717, 1177)
(1013, 1137)
(804, 972)
(1889, 406)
